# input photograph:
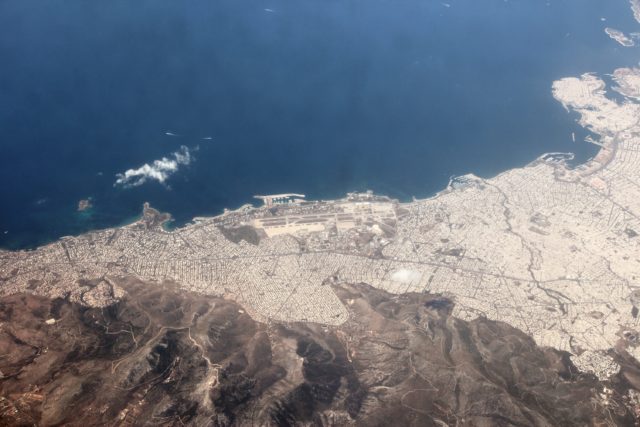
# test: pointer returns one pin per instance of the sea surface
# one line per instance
(319, 97)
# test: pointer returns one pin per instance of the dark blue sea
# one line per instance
(319, 97)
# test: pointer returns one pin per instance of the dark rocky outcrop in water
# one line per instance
(167, 357)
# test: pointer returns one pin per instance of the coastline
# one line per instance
(146, 139)
(558, 235)
(170, 225)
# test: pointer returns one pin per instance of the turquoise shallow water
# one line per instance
(317, 97)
